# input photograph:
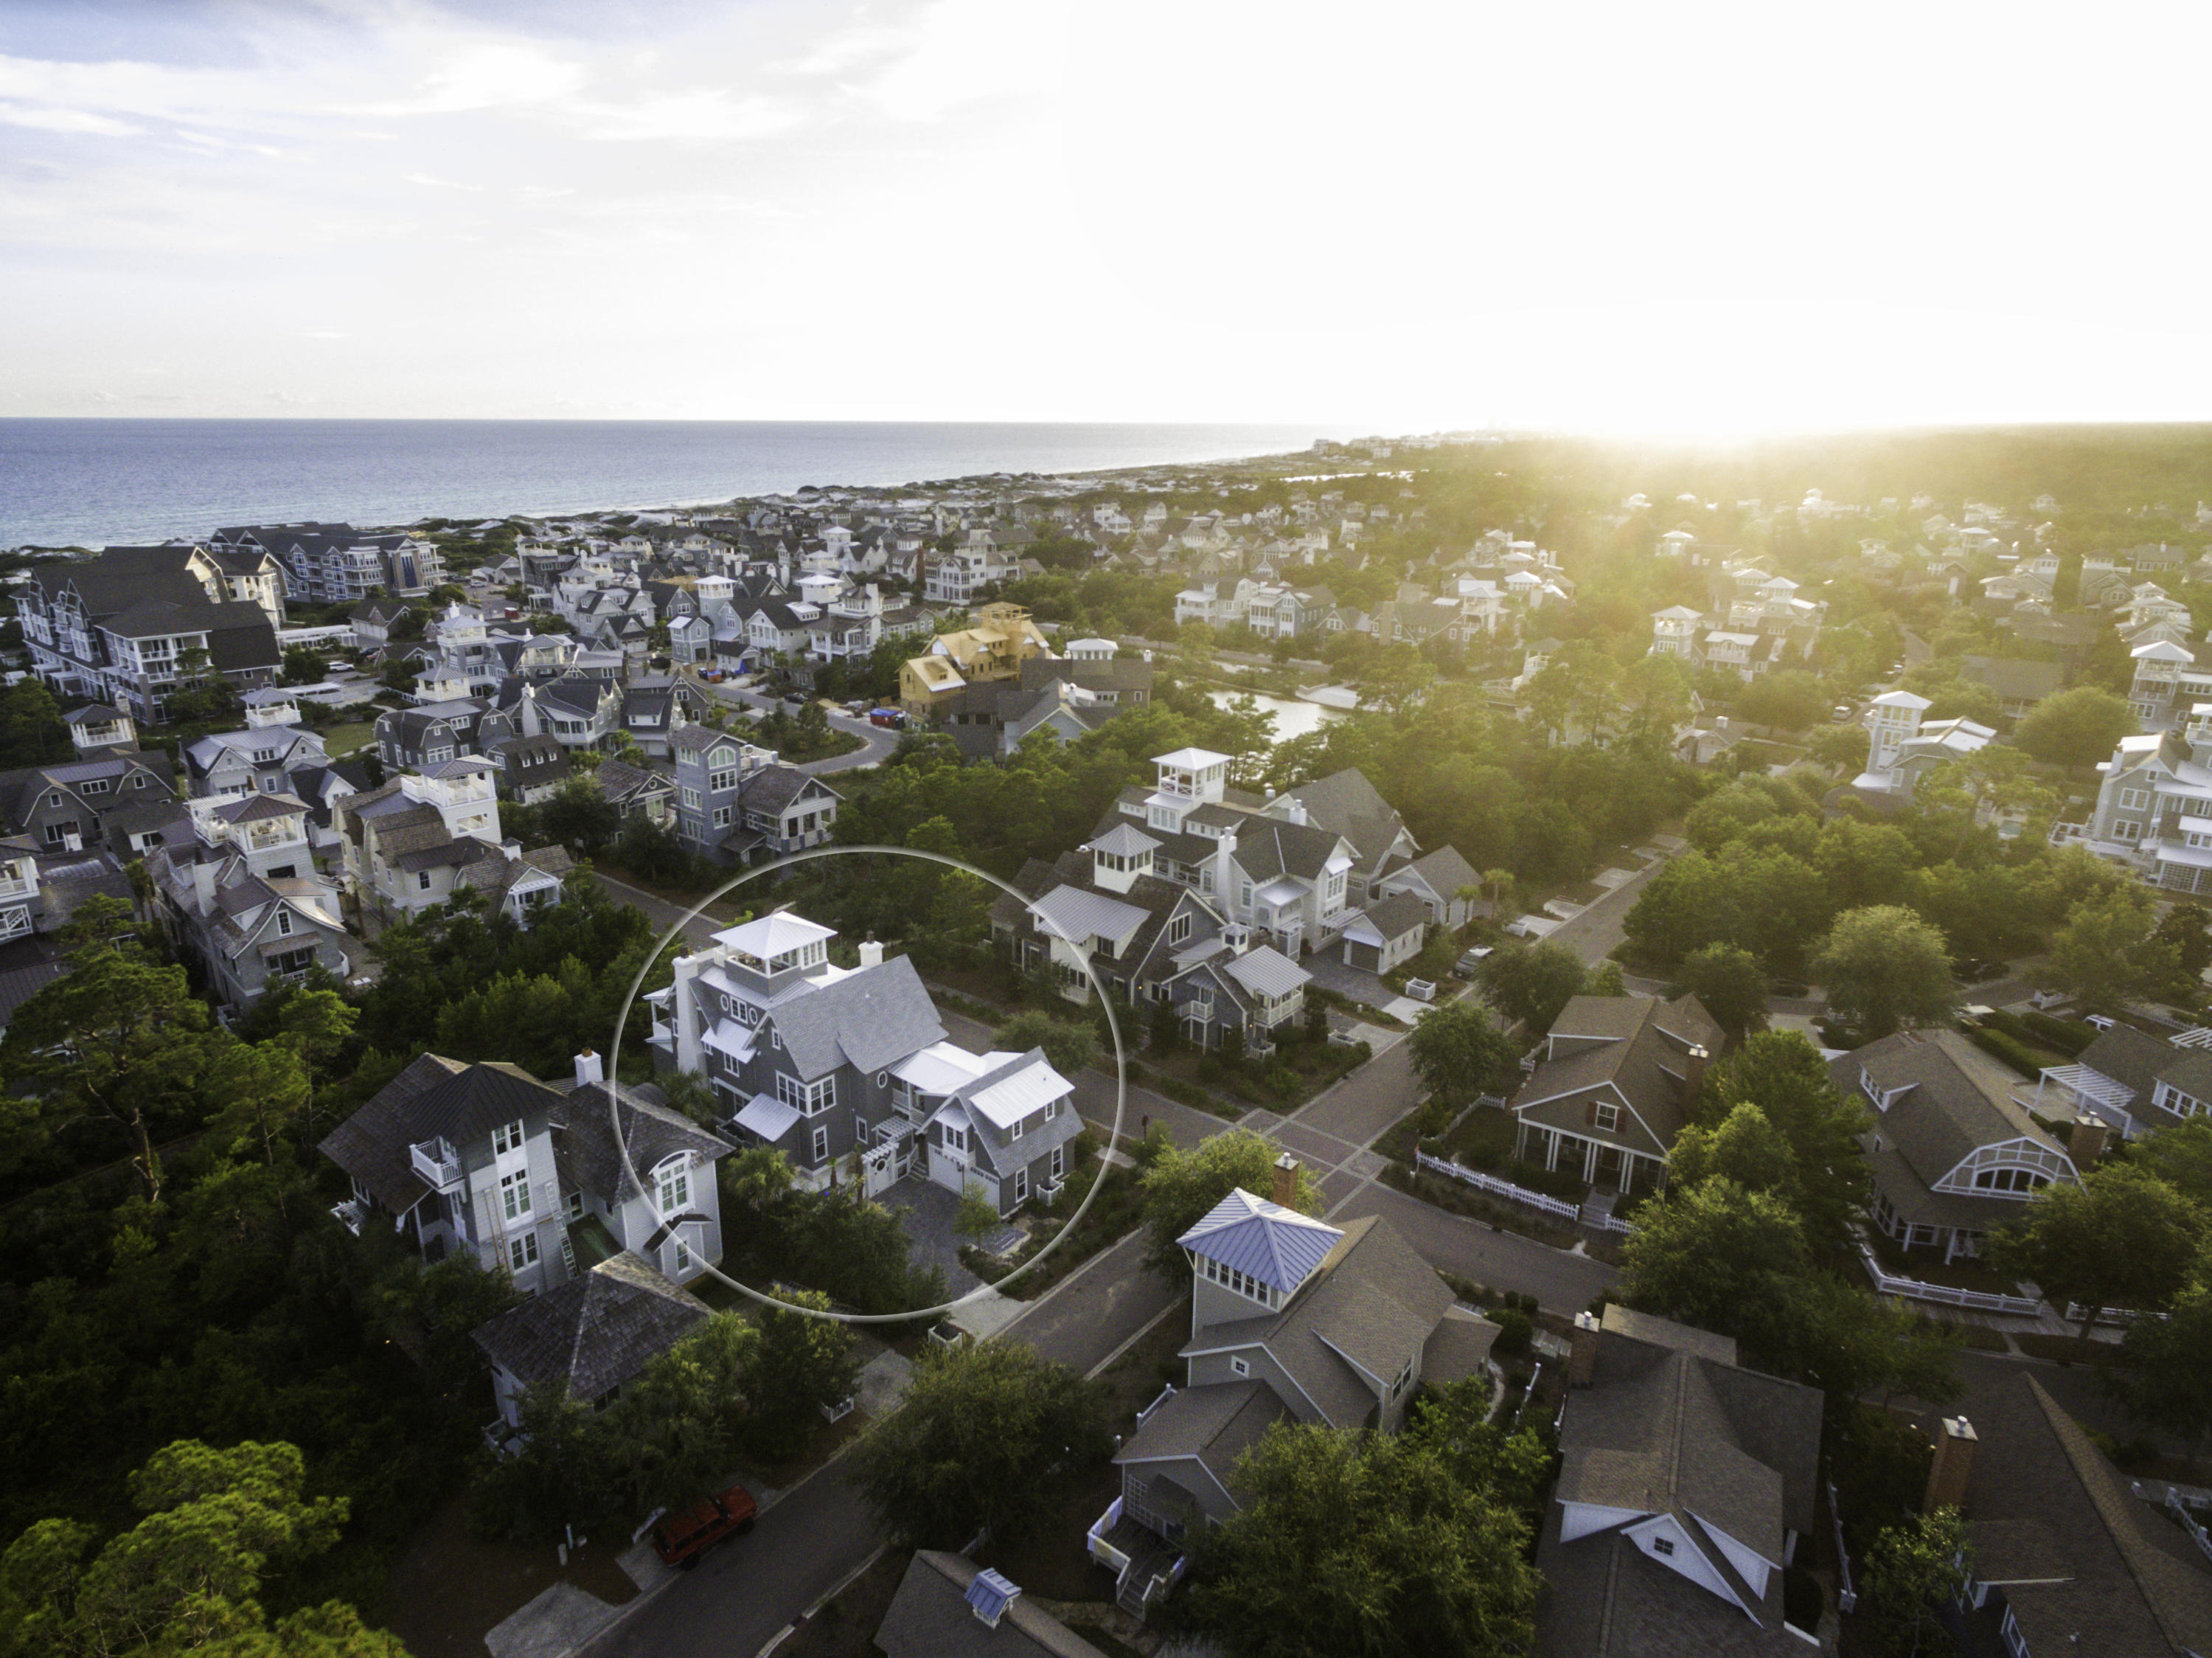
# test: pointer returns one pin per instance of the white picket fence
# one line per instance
(1496, 1187)
(1980, 1301)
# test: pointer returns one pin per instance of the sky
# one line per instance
(1689, 219)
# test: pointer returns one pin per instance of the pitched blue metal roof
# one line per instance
(1277, 1247)
(990, 1594)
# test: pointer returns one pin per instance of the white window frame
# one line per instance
(2133, 800)
(671, 1185)
(514, 1194)
(508, 1136)
(1607, 1117)
(522, 1253)
(1021, 1186)
(821, 1141)
(1239, 1367)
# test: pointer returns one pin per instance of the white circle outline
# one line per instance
(808, 855)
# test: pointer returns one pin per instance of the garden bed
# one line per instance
(1118, 1212)
(1455, 1198)
(2067, 1349)
(1902, 1263)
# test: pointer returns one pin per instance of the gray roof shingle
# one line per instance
(596, 1332)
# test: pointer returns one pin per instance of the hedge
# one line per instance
(2063, 1035)
(2006, 1048)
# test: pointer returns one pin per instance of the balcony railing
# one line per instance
(435, 1161)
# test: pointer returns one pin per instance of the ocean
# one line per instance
(93, 482)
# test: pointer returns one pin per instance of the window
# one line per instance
(683, 1257)
(422, 881)
(821, 1143)
(1021, 1185)
(2125, 829)
(2133, 800)
(1051, 1109)
(291, 963)
(1059, 1162)
(283, 923)
(721, 817)
(522, 1253)
(674, 1179)
(883, 1079)
(514, 1194)
(956, 1137)
(1239, 1367)
(506, 1138)
(1179, 929)
(721, 782)
(1605, 1117)
(1662, 1545)
(691, 798)
(811, 1098)
(1016, 1133)
(92, 786)
(58, 832)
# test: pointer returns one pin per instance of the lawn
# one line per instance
(346, 738)
(1484, 1140)
(1930, 1268)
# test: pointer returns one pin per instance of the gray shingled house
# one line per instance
(1950, 1154)
(589, 1337)
(2067, 1558)
(1686, 1482)
(1614, 1087)
(1291, 1319)
(948, 1607)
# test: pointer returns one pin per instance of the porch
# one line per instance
(1145, 1567)
(1600, 1163)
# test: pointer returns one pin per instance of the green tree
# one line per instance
(977, 1214)
(2180, 1153)
(1070, 1049)
(185, 1577)
(1458, 1052)
(1744, 1148)
(2076, 727)
(1783, 1076)
(303, 666)
(1371, 1544)
(1843, 748)
(2165, 1381)
(1531, 982)
(1605, 979)
(1723, 1258)
(1915, 1569)
(1791, 698)
(1992, 779)
(120, 1039)
(988, 1435)
(1727, 984)
(1884, 967)
(2107, 955)
(798, 1365)
(2122, 1238)
(1181, 1186)
(2187, 929)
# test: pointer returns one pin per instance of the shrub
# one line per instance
(1516, 1331)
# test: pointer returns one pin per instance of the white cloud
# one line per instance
(52, 120)
(437, 183)
(488, 75)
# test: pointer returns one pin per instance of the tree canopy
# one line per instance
(1181, 1186)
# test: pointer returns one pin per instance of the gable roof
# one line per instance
(931, 1617)
(1956, 1098)
(591, 1154)
(596, 1332)
(1640, 1050)
(2074, 1553)
(371, 1145)
(1347, 803)
(868, 1018)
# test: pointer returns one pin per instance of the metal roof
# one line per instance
(1026, 1086)
(769, 1119)
(1277, 1247)
(1078, 917)
(1267, 972)
(775, 935)
(1124, 840)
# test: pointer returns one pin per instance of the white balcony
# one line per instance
(435, 1161)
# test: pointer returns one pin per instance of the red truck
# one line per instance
(682, 1536)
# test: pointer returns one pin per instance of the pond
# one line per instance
(1293, 718)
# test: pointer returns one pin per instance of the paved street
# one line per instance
(736, 1599)
(1596, 933)
(878, 747)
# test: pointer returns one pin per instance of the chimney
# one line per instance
(1955, 1460)
(2085, 1144)
(1582, 1351)
(589, 1070)
(872, 953)
(1286, 1181)
(1693, 1073)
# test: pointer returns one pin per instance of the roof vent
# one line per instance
(989, 1596)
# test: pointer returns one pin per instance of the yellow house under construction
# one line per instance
(994, 649)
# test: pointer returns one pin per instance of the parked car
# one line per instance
(1468, 965)
(894, 718)
(682, 1537)
(1841, 713)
